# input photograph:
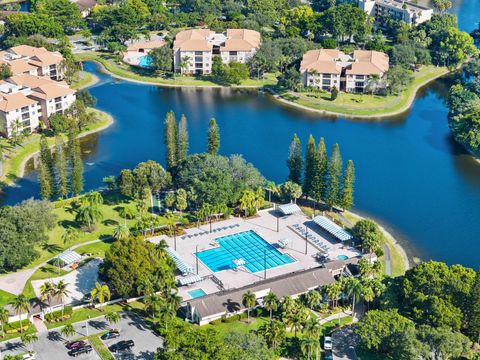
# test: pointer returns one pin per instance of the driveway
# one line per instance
(344, 343)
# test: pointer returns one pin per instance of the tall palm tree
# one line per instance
(296, 317)
(175, 301)
(248, 300)
(20, 305)
(165, 313)
(29, 338)
(70, 235)
(93, 198)
(68, 330)
(270, 303)
(273, 332)
(121, 232)
(4, 315)
(313, 298)
(171, 223)
(47, 291)
(145, 287)
(153, 302)
(100, 292)
(312, 328)
(354, 289)
(247, 201)
(127, 212)
(272, 189)
(61, 291)
(112, 317)
(308, 345)
(89, 215)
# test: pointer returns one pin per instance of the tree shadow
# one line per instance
(232, 306)
(109, 222)
(51, 248)
(69, 223)
(98, 324)
(55, 336)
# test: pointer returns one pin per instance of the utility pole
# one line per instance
(196, 256)
(278, 223)
(265, 264)
(306, 242)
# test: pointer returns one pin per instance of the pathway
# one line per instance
(388, 260)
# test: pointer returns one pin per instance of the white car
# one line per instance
(29, 356)
(327, 343)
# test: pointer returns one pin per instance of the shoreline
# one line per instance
(93, 81)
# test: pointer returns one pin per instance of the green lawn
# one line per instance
(97, 249)
(119, 68)
(365, 105)
(100, 347)
(242, 325)
(46, 272)
(83, 79)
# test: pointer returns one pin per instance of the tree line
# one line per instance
(322, 178)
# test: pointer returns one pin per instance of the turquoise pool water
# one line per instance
(145, 61)
(196, 293)
(342, 257)
(249, 246)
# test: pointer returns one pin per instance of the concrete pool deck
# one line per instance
(265, 224)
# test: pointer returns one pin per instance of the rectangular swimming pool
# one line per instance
(257, 253)
(194, 294)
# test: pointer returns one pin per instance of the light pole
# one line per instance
(175, 237)
(86, 324)
(306, 236)
(210, 219)
(265, 264)
(196, 256)
(278, 223)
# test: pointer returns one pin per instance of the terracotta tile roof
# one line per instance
(37, 56)
(193, 40)
(322, 61)
(30, 81)
(368, 63)
(9, 102)
(152, 44)
(20, 66)
(26, 50)
(241, 40)
(51, 91)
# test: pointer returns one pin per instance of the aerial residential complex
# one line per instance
(34, 91)
(195, 48)
(411, 13)
(328, 68)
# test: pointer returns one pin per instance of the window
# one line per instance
(199, 65)
(24, 109)
(198, 59)
(58, 99)
(25, 116)
(233, 53)
(198, 53)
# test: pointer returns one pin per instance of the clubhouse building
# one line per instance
(407, 11)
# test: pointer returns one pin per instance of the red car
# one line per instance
(75, 344)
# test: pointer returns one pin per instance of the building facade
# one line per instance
(329, 68)
(411, 13)
(194, 49)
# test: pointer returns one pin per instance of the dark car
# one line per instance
(80, 350)
(122, 345)
(75, 344)
(328, 355)
(111, 334)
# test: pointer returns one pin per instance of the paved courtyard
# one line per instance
(264, 225)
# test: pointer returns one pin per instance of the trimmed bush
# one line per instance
(57, 315)
(14, 327)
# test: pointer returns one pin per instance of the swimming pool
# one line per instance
(145, 61)
(249, 246)
(194, 294)
(342, 257)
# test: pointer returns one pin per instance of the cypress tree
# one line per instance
(61, 168)
(333, 175)
(311, 166)
(76, 168)
(170, 139)
(473, 310)
(213, 137)
(182, 139)
(346, 196)
(45, 181)
(295, 161)
(322, 181)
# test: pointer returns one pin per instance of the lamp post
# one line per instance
(175, 236)
(210, 219)
(86, 324)
(265, 264)
(306, 242)
(196, 256)
(278, 223)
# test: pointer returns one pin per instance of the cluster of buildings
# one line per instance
(35, 90)
(329, 68)
(410, 12)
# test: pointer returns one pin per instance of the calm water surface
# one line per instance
(411, 176)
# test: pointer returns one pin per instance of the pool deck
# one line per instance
(265, 224)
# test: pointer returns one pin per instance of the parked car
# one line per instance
(74, 344)
(80, 350)
(122, 345)
(110, 334)
(328, 355)
(29, 356)
(327, 343)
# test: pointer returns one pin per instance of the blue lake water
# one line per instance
(411, 176)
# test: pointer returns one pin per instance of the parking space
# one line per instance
(133, 328)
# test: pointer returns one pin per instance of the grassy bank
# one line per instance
(362, 105)
(124, 71)
(83, 79)
(16, 157)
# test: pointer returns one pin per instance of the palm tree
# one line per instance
(273, 332)
(153, 302)
(313, 298)
(258, 199)
(270, 303)
(127, 212)
(248, 300)
(93, 198)
(312, 328)
(296, 317)
(247, 201)
(145, 287)
(68, 330)
(61, 291)
(272, 189)
(112, 317)
(4, 315)
(353, 288)
(47, 291)
(175, 301)
(121, 232)
(184, 63)
(307, 345)
(70, 235)
(20, 305)
(100, 293)
(29, 338)
(171, 223)
(89, 214)
(165, 313)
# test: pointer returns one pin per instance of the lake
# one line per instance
(411, 176)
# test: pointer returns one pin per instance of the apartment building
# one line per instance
(411, 13)
(194, 49)
(328, 68)
(24, 59)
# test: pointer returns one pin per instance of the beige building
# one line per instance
(195, 48)
(411, 13)
(137, 50)
(24, 59)
(328, 68)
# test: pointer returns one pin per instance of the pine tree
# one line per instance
(213, 137)
(182, 139)
(322, 181)
(47, 161)
(311, 166)
(45, 181)
(295, 161)
(346, 196)
(334, 173)
(61, 168)
(473, 310)
(76, 168)
(170, 139)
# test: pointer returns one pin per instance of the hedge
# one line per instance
(57, 315)
(14, 327)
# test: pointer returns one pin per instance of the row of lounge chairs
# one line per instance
(311, 238)
(206, 232)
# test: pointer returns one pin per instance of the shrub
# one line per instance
(57, 315)
(14, 327)
(334, 93)
(216, 322)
